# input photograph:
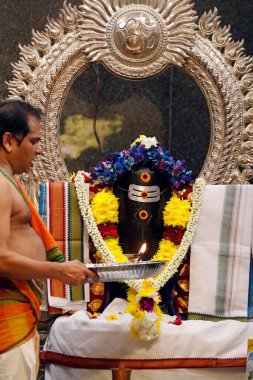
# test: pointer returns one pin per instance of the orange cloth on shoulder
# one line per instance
(20, 299)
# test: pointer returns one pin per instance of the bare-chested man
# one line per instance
(22, 249)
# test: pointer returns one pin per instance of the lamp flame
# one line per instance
(143, 248)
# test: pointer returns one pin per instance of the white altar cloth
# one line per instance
(81, 337)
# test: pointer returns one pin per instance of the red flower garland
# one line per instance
(108, 230)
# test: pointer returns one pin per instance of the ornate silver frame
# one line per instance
(139, 39)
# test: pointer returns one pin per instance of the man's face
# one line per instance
(26, 151)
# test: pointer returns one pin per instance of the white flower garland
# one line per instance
(146, 327)
(99, 243)
(84, 205)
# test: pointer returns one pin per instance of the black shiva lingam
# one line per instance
(143, 178)
(142, 196)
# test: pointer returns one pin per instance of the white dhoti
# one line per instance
(21, 363)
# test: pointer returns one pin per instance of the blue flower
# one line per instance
(109, 171)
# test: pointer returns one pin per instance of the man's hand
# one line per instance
(75, 273)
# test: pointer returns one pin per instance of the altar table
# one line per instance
(201, 349)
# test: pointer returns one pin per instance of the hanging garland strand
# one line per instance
(84, 205)
(108, 257)
(171, 268)
(143, 295)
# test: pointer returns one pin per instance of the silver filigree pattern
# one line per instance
(137, 39)
(229, 158)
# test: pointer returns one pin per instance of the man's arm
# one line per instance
(17, 266)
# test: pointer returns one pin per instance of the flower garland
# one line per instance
(108, 256)
(89, 220)
(144, 308)
(138, 287)
(141, 317)
(143, 305)
(175, 217)
(105, 207)
(144, 150)
(101, 217)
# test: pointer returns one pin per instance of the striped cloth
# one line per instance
(53, 252)
(18, 313)
(20, 299)
(220, 254)
(60, 211)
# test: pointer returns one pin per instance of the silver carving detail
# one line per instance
(137, 37)
(57, 55)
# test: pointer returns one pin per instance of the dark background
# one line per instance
(169, 106)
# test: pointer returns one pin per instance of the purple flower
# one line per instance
(147, 304)
(109, 171)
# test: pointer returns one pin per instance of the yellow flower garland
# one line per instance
(145, 325)
(114, 247)
(105, 208)
(166, 250)
(177, 212)
(104, 205)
